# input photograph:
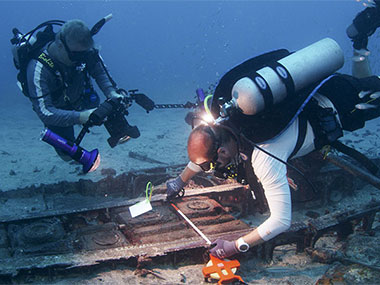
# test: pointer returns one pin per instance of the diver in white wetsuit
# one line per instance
(321, 113)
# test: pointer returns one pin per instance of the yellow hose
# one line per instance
(205, 103)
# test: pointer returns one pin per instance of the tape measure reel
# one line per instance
(222, 270)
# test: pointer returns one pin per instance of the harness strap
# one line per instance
(302, 127)
(285, 77)
(46, 60)
(263, 85)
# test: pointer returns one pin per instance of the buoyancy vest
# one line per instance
(26, 48)
(49, 63)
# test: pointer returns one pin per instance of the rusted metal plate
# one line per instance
(208, 215)
(111, 234)
(85, 223)
(82, 196)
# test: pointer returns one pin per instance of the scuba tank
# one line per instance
(19, 43)
(272, 84)
(26, 46)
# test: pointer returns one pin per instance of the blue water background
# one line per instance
(167, 49)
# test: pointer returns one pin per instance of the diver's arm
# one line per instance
(40, 84)
(253, 238)
(98, 71)
(190, 170)
(277, 193)
(272, 175)
(174, 186)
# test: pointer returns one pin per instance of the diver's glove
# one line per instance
(365, 24)
(223, 248)
(174, 187)
(114, 94)
(98, 116)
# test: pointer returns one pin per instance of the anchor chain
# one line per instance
(188, 105)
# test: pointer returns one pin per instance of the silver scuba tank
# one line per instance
(304, 67)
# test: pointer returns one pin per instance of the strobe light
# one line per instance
(89, 160)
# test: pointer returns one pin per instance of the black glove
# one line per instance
(223, 248)
(364, 25)
(173, 187)
(144, 101)
(97, 117)
(106, 108)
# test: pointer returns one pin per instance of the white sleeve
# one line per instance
(272, 175)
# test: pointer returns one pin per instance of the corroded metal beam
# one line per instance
(87, 223)
(354, 170)
(304, 234)
(84, 203)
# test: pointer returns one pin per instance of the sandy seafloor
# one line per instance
(25, 161)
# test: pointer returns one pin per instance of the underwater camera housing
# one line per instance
(112, 114)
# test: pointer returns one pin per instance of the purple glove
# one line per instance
(173, 187)
(223, 248)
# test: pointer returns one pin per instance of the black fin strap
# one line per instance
(358, 156)
(285, 77)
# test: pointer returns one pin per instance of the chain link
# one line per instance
(172, 106)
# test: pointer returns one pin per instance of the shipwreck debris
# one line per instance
(330, 256)
(144, 158)
(354, 170)
(83, 224)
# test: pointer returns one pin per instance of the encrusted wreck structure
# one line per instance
(73, 225)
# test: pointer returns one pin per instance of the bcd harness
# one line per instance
(47, 62)
(61, 84)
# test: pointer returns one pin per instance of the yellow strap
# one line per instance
(325, 151)
(149, 185)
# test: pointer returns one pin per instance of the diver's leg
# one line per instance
(362, 27)
(360, 65)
